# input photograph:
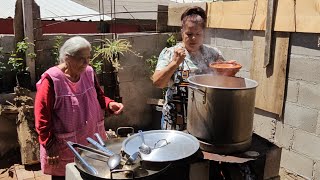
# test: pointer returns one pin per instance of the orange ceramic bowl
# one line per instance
(225, 69)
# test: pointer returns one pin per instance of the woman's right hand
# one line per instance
(53, 155)
(179, 55)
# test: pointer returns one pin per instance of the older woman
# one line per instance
(69, 106)
(175, 64)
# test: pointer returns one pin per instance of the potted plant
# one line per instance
(17, 62)
(105, 60)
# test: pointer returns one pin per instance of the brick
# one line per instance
(305, 44)
(284, 135)
(316, 171)
(264, 126)
(304, 68)
(301, 117)
(292, 91)
(306, 143)
(297, 163)
(309, 95)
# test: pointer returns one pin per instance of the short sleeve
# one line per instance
(164, 58)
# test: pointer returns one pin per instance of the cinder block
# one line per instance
(301, 117)
(229, 38)
(126, 74)
(305, 68)
(318, 124)
(284, 135)
(7, 42)
(243, 56)
(247, 40)
(309, 95)
(306, 143)
(264, 126)
(292, 90)
(243, 74)
(297, 163)
(210, 37)
(316, 171)
(305, 44)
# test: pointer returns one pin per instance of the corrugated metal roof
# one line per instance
(122, 6)
(138, 9)
(56, 9)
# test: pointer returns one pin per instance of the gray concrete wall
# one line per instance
(299, 132)
(134, 81)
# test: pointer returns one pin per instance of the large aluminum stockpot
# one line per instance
(220, 112)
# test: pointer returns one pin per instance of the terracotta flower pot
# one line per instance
(225, 69)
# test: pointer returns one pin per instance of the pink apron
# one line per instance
(77, 115)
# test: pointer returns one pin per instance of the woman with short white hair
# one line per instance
(69, 106)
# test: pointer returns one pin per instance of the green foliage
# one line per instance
(153, 60)
(96, 63)
(56, 47)
(171, 41)
(111, 49)
(16, 59)
(152, 63)
(2, 65)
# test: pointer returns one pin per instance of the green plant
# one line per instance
(56, 46)
(152, 64)
(110, 50)
(2, 65)
(171, 41)
(16, 59)
(96, 63)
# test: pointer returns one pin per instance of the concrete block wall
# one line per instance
(298, 133)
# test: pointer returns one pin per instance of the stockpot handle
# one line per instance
(203, 93)
(87, 166)
(121, 170)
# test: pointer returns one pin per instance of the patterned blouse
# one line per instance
(198, 64)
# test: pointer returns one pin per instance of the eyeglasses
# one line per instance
(80, 58)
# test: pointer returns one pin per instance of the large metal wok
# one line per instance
(180, 145)
(98, 162)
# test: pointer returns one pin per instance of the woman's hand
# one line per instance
(179, 55)
(116, 107)
(53, 155)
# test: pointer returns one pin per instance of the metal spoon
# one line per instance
(145, 149)
(114, 159)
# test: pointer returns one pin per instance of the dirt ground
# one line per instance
(11, 168)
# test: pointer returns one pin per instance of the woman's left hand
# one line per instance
(116, 107)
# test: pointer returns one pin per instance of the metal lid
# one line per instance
(167, 145)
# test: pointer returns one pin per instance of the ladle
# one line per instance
(131, 159)
(145, 149)
(114, 159)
